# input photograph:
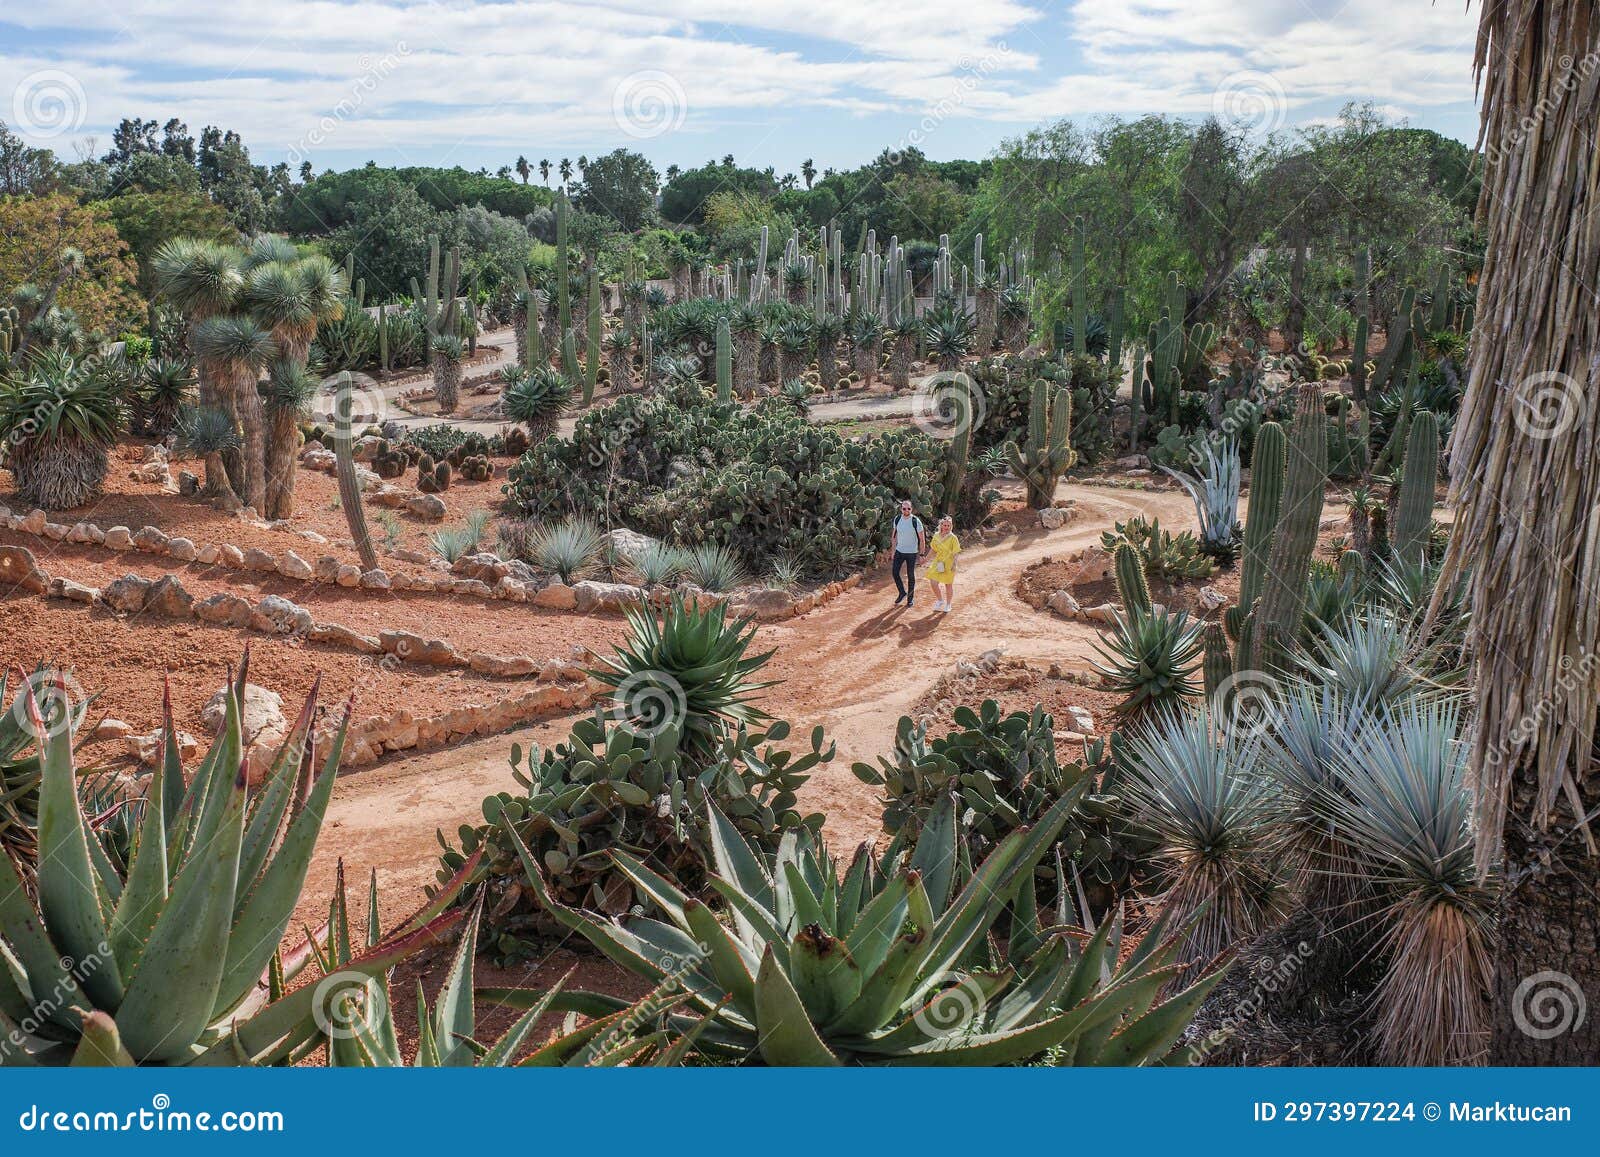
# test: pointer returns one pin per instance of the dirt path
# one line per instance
(854, 667)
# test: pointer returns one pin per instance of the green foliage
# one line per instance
(1167, 557)
(1150, 658)
(58, 419)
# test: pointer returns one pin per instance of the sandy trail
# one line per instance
(854, 667)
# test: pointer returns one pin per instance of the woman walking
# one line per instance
(943, 546)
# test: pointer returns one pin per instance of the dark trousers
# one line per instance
(907, 559)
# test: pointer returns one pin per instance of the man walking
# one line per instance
(910, 542)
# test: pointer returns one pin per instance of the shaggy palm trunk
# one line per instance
(792, 364)
(621, 363)
(796, 292)
(828, 365)
(988, 302)
(1526, 481)
(446, 383)
(1015, 333)
(218, 487)
(283, 436)
(252, 485)
(867, 364)
(59, 475)
(767, 370)
(905, 345)
(519, 325)
(746, 359)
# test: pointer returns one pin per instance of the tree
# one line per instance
(924, 206)
(35, 234)
(621, 184)
(524, 170)
(1217, 207)
(24, 171)
(1525, 536)
(566, 170)
(147, 221)
(684, 198)
(544, 171)
(808, 170)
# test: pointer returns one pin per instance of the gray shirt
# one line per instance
(906, 531)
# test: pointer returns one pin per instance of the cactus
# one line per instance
(1114, 315)
(1414, 512)
(591, 353)
(1048, 454)
(1358, 359)
(350, 495)
(1218, 665)
(1397, 352)
(724, 361)
(1439, 316)
(1352, 567)
(1080, 295)
(1283, 596)
(960, 446)
(1131, 584)
(1261, 517)
(1135, 406)
(563, 273)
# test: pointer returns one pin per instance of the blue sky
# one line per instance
(339, 82)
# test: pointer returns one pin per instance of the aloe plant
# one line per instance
(883, 964)
(173, 959)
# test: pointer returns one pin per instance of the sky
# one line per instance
(773, 82)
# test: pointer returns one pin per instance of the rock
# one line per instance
(231, 555)
(765, 604)
(181, 549)
(56, 532)
(224, 609)
(414, 557)
(188, 483)
(166, 596)
(292, 566)
(590, 595)
(399, 582)
(392, 497)
(154, 473)
(504, 666)
(119, 538)
(365, 448)
(367, 480)
(1053, 517)
(151, 540)
(1063, 604)
(1140, 473)
(524, 573)
(261, 720)
(110, 729)
(19, 568)
(1132, 462)
(1104, 613)
(326, 569)
(260, 560)
(483, 566)
(208, 555)
(348, 576)
(510, 590)
(1094, 564)
(423, 582)
(1081, 720)
(75, 592)
(33, 522)
(80, 533)
(414, 648)
(376, 579)
(280, 616)
(315, 457)
(629, 543)
(313, 536)
(147, 748)
(126, 594)
(342, 636)
(557, 597)
(428, 507)
(1211, 599)
(471, 588)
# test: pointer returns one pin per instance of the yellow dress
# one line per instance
(943, 548)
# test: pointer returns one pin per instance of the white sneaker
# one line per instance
(944, 608)
(940, 606)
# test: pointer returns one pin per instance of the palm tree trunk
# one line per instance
(253, 457)
(1526, 482)
(281, 461)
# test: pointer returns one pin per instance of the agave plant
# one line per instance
(173, 959)
(568, 549)
(1407, 814)
(949, 338)
(536, 398)
(1150, 658)
(58, 420)
(713, 567)
(885, 963)
(1201, 791)
(797, 392)
(1215, 491)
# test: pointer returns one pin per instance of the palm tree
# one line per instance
(808, 170)
(544, 171)
(290, 297)
(238, 349)
(566, 170)
(1525, 535)
(524, 170)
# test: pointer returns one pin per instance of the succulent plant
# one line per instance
(1047, 453)
(1150, 659)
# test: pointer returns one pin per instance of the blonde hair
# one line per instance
(949, 520)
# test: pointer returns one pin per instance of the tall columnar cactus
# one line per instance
(1048, 453)
(1136, 401)
(1283, 597)
(1261, 518)
(1414, 511)
(1080, 292)
(1217, 667)
(1115, 309)
(563, 272)
(724, 361)
(1439, 315)
(1399, 342)
(1132, 585)
(1358, 359)
(591, 365)
(350, 494)
(960, 447)
(439, 299)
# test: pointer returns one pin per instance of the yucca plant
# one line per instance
(886, 963)
(786, 573)
(1201, 792)
(691, 662)
(174, 958)
(1407, 813)
(536, 398)
(209, 432)
(568, 549)
(165, 390)
(713, 567)
(58, 420)
(454, 543)
(1366, 658)
(446, 353)
(1150, 658)
(656, 564)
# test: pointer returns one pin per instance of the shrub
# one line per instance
(1169, 557)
